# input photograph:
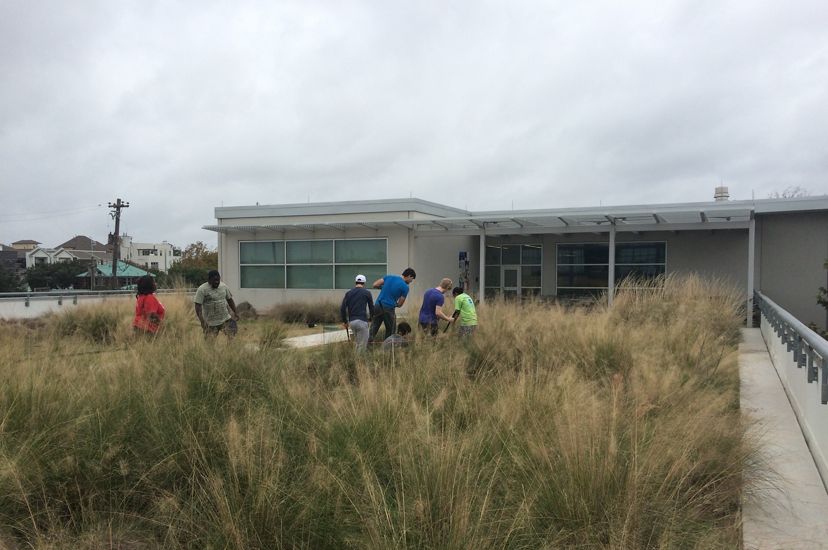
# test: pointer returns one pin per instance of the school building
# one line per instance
(296, 252)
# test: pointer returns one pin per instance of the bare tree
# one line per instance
(792, 192)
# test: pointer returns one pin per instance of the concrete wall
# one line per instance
(792, 249)
(16, 308)
(436, 257)
(805, 398)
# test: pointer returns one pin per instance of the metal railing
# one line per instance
(75, 294)
(810, 350)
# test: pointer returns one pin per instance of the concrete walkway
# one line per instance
(793, 512)
(318, 339)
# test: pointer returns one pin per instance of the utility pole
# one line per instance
(116, 241)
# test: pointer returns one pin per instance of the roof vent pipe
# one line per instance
(721, 194)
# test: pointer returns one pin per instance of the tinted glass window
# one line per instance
(583, 254)
(310, 276)
(262, 276)
(263, 252)
(639, 253)
(344, 274)
(309, 252)
(361, 251)
(511, 254)
(583, 275)
(531, 254)
(492, 255)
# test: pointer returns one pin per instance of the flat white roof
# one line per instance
(654, 217)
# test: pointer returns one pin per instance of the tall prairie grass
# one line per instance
(552, 427)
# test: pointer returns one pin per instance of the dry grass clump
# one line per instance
(310, 313)
(551, 428)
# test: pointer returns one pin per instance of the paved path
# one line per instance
(793, 514)
(319, 339)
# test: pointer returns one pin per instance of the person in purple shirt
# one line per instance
(432, 309)
(393, 294)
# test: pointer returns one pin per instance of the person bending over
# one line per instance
(393, 294)
(398, 340)
(149, 312)
(432, 309)
(465, 312)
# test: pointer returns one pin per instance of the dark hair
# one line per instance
(403, 328)
(145, 285)
(213, 273)
(457, 291)
(409, 273)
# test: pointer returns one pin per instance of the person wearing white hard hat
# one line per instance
(356, 309)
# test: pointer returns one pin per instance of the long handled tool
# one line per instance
(454, 317)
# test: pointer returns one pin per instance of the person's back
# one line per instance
(356, 310)
(393, 292)
(465, 312)
(432, 309)
(393, 288)
(358, 302)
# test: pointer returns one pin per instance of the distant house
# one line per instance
(127, 275)
(26, 244)
(82, 242)
(39, 256)
(159, 256)
(80, 248)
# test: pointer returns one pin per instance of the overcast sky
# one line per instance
(179, 107)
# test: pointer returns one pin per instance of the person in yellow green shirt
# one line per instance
(464, 312)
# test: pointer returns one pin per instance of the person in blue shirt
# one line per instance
(394, 290)
(432, 310)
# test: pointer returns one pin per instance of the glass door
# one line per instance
(510, 276)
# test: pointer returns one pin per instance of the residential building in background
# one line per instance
(127, 276)
(159, 256)
(26, 244)
(274, 254)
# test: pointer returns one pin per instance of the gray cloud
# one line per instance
(181, 107)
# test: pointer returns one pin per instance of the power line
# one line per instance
(46, 215)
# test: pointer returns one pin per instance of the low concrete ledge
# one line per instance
(792, 511)
(320, 339)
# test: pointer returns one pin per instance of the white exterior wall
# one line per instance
(163, 255)
(38, 253)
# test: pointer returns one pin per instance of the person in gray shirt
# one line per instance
(213, 303)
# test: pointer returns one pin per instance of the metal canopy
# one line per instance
(580, 220)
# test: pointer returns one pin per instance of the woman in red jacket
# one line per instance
(148, 310)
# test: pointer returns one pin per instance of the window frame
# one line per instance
(285, 264)
(604, 288)
(500, 265)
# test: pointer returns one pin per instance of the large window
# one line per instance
(311, 264)
(583, 269)
(514, 269)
